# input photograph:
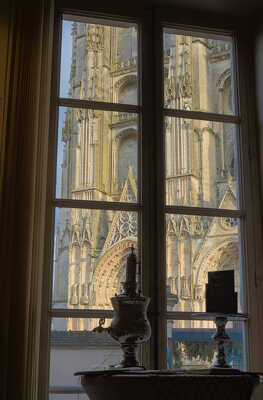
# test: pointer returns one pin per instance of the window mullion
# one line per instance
(148, 172)
(160, 271)
(44, 354)
(98, 105)
(80, 313)
(202, 115)
(184, 315)
(213, 212)
(97, 205)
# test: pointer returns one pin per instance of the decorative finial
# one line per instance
(130, 283)
(131, 167)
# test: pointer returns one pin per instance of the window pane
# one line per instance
(91, 249)
(75, 347)
(198, 73)
(97, 155)
(55, 395)
(201, 163)
(194, 246)
(99, 61)
(189, 344)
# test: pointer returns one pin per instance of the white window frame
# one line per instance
(153, 213)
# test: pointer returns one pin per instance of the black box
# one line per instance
(220, 294)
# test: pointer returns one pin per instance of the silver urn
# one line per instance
(129, 326)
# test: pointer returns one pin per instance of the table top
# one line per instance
(140, 372)
(211, 384)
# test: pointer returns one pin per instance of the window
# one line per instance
(145, 151)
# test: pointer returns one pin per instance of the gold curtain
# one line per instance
(26, 42)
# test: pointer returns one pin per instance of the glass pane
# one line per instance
(97, 155)
(91, 249)
(201, 163)
(198, 73)
(189, 344)
(57, 395)
(196, 245)
(75, 347)
(99, 61)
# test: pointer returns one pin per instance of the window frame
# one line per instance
(152, 219)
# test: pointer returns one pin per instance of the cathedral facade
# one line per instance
(100, 162)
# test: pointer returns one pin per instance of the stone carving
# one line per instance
(84, 293)
(185, 286)
(74, 294)
(95, 38)
(199, 292)
(124, 226)
(229, 223)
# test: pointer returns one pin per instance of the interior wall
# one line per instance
(258, 81)
(258, 63)
(234, 8)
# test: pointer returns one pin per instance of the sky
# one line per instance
(66, 56)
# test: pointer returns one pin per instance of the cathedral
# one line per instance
(100, 162)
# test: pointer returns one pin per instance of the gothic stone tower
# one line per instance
(100, 163)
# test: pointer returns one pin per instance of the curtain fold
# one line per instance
(26, 40)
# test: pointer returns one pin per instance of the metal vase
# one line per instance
(130, 326)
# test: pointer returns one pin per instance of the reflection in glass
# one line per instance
(99, 61)
(91, 249)
(189, 344)
(197, 73)
(75, 350)
(97, 155)
(196, 245)
(201, 163)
